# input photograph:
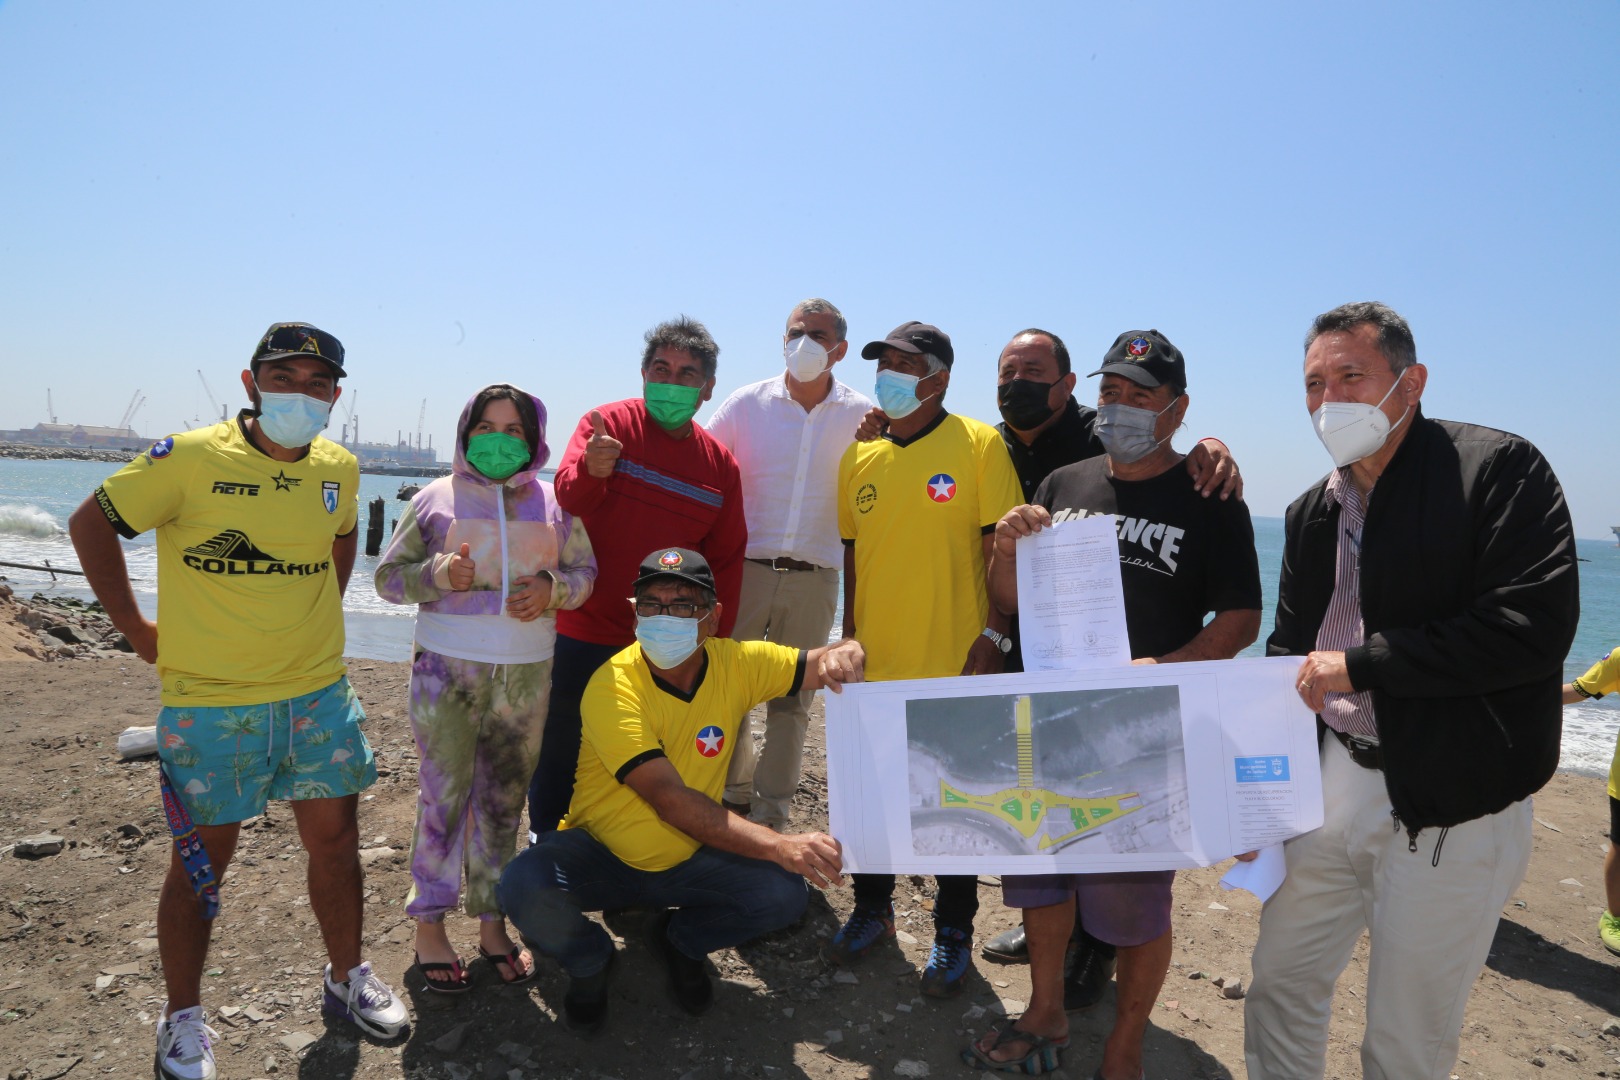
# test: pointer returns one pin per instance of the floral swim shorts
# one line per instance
(227, 762)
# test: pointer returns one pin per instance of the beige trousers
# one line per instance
(1431, 913)
(789, 607)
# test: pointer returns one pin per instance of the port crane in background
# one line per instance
(134, 406)
(212, 400)
(50, 406)
(351, 427)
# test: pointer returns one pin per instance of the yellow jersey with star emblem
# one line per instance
(248, 604)
(630, 716)
(917, 511)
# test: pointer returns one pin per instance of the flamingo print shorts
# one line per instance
(227, 762)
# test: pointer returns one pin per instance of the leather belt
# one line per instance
(1362, 751)
(782, 564)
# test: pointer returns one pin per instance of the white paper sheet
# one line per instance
(1262, 875)
(1132, 768)
(1071, 603)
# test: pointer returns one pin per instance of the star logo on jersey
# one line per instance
(1138, 346)
(710, 741)
(942, 487)
(285, 482)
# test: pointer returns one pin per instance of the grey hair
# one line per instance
(1394, 335)
(817, 306)
(686, 334)
(935, 364)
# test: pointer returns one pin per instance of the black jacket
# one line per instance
(1469, 599)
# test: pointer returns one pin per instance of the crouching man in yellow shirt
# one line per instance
(645, 827)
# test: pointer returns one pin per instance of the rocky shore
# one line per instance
(30, 452)
(55, 628)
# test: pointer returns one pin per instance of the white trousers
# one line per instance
(1431, 913)
(789, 607)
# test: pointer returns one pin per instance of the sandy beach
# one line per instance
(80, 987)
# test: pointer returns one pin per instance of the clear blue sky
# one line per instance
(469, 193)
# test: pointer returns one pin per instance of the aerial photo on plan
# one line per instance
(1098, 771)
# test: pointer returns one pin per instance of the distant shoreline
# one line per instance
(30, 452)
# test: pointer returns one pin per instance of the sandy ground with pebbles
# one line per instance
(79, 982)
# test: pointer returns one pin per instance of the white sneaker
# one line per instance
(185, 1046)
(367, 1001)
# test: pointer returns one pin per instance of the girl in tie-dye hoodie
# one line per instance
(489, 558)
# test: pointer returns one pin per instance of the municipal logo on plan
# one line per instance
(329, 495)
(710, 741)
(942, 487)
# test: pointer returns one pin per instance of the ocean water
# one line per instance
(36, 498)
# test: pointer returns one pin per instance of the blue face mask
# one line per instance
(667, 640)
(292, 420)
(897, 393)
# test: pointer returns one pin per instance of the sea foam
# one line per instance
(18, 520)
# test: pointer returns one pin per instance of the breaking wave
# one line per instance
(28, 521)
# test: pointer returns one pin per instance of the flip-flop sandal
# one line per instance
(511, 961)
(459, 981)
(1045, 1054)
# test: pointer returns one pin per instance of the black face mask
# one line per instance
(1023, 403)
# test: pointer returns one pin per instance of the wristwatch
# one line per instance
(999, 640)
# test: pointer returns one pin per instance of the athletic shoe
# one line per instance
(1087, 981)
(1609, 932)
(1009, 946)
(185, 1048)
(948, 962)
(367, 1001)
(864, 928)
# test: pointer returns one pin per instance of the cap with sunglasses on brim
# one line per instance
(682, 564)
(1147, 358)
(915, 338)
(299, 340)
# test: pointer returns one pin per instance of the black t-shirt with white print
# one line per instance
(1181, 556)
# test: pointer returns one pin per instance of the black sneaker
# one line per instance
(585, 1004)
(688, 978)
(1087, 981)
(1009, 946)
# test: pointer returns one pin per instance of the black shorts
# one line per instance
(1614, 821)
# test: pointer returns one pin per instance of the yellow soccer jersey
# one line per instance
(1602, 677)
(630, 716)
(248, 602)
(917, 513)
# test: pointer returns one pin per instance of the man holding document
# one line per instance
(1181, 557)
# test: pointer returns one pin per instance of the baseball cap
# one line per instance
(681, 563)
(1147, 358)
(299, 339)
(913, 337)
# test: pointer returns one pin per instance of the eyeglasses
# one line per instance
(681, 609)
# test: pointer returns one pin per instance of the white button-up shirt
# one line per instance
(789, 461)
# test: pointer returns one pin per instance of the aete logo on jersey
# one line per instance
(233, 554)
(231, 487)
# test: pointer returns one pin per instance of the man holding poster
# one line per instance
(1181, 557)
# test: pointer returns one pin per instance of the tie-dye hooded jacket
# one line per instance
(513, 529)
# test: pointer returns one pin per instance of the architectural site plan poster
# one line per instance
(1151, 767)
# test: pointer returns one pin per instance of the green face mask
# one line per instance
(672, 405)
(496, 454)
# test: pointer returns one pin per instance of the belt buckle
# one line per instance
(779, 569)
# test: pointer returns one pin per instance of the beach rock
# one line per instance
(296, 1042)
(907, 1067)
(450, 1041)
(40, 845)
(1565, 1052)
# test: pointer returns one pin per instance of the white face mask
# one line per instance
(805, 357)
(1352, 430)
